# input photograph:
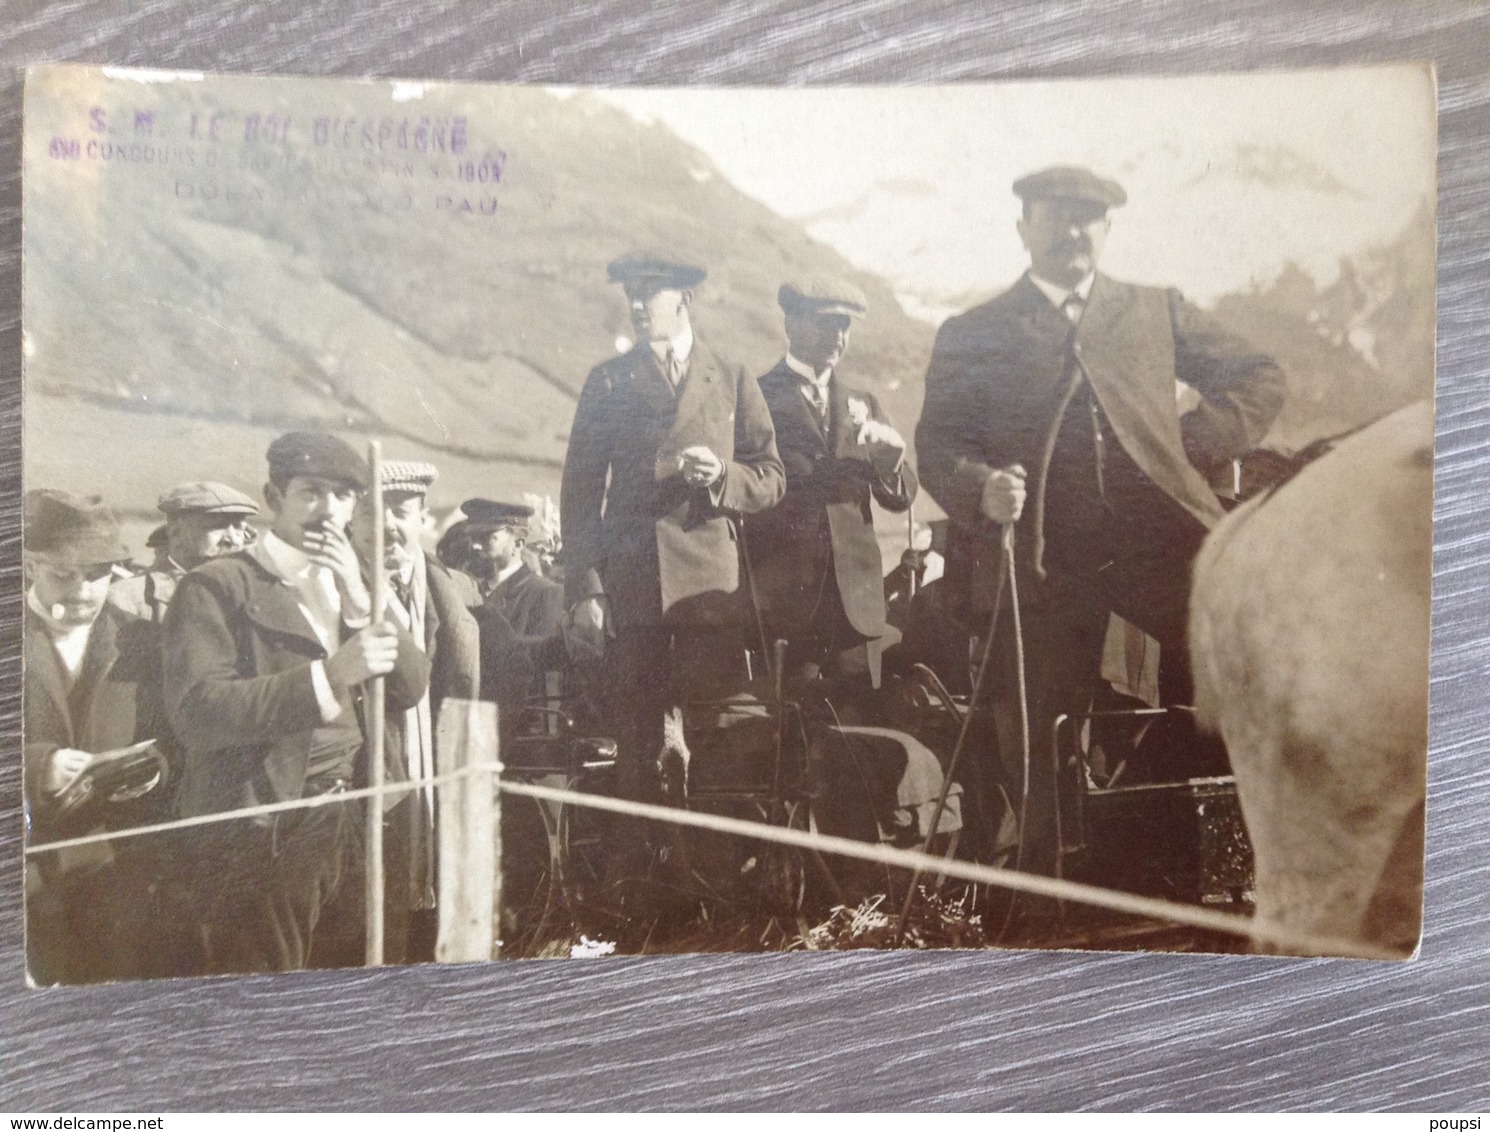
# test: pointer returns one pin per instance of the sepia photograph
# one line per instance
(470, 521)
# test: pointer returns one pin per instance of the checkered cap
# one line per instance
(414, 476)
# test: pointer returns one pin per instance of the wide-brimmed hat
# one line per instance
(63, 529)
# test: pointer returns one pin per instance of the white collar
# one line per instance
(681, 346)
(802, 369)
(1058, 295)
(290, 563)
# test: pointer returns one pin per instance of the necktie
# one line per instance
(1072, 307)
(817, 399)
(674, 368)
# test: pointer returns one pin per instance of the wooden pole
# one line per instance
(376, 721)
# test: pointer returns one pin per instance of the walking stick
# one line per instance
(1004, 579)
(373, 875)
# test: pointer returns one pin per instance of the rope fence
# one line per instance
(912, 860)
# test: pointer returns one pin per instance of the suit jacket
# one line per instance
(532, 605)
(825, 522)
(451, 639)
(114, 702)
(238, 686)
(664, 552)
(1001, 374)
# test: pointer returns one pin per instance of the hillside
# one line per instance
(290, 302)
(177, 319)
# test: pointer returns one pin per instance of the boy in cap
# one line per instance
(815, 558)
(668, 447)
(1053, 407)
(92, 692)
(266, 652)
(204, 520)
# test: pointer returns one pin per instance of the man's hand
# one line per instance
(884, 446)
(63, 769)
(700, 467)
(371, 652)
(1003, 495)
(586, 629)
(330, 547)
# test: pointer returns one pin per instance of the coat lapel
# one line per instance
(695, 401)
(1107, 304)
(275, 604)
(98, 658)
(650, 383)
(431, 611)
(45, 666)
(789, 408)
(840, 421)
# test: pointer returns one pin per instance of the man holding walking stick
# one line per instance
(266, 653)
(1052, 408)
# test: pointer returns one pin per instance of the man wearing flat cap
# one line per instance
(521, 613)
(92, 694)
(266, 653)
(204, 520)
(1053, 408)
(669, 446)
(425, 603)
(815, 558)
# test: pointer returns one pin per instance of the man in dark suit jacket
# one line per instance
(521, 613)
(92, 690)
(1063, 389)
(265, 655)
(814, 557)
(668, 447)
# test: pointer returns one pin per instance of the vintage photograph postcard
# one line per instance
(467, 522)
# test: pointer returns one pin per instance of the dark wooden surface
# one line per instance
(990, 1030)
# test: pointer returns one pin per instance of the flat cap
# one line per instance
(1071, 182)
(668, 270)
(206, 496)
(316, 454)
(70, 530)
(412, 476)
(822, 294)
(489, 515)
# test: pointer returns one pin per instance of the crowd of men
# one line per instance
(705, 512)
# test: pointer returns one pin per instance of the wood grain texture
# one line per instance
(987, 1030)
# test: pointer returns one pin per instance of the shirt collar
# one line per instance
(289, 562)
(1058, 295)
(803, 370)
(681, 346)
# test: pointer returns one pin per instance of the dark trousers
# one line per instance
(408, 932)
(125, 917)
(654, 670)
(265, 886)
(1146, 581)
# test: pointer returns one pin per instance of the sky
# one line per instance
(1228, 177)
